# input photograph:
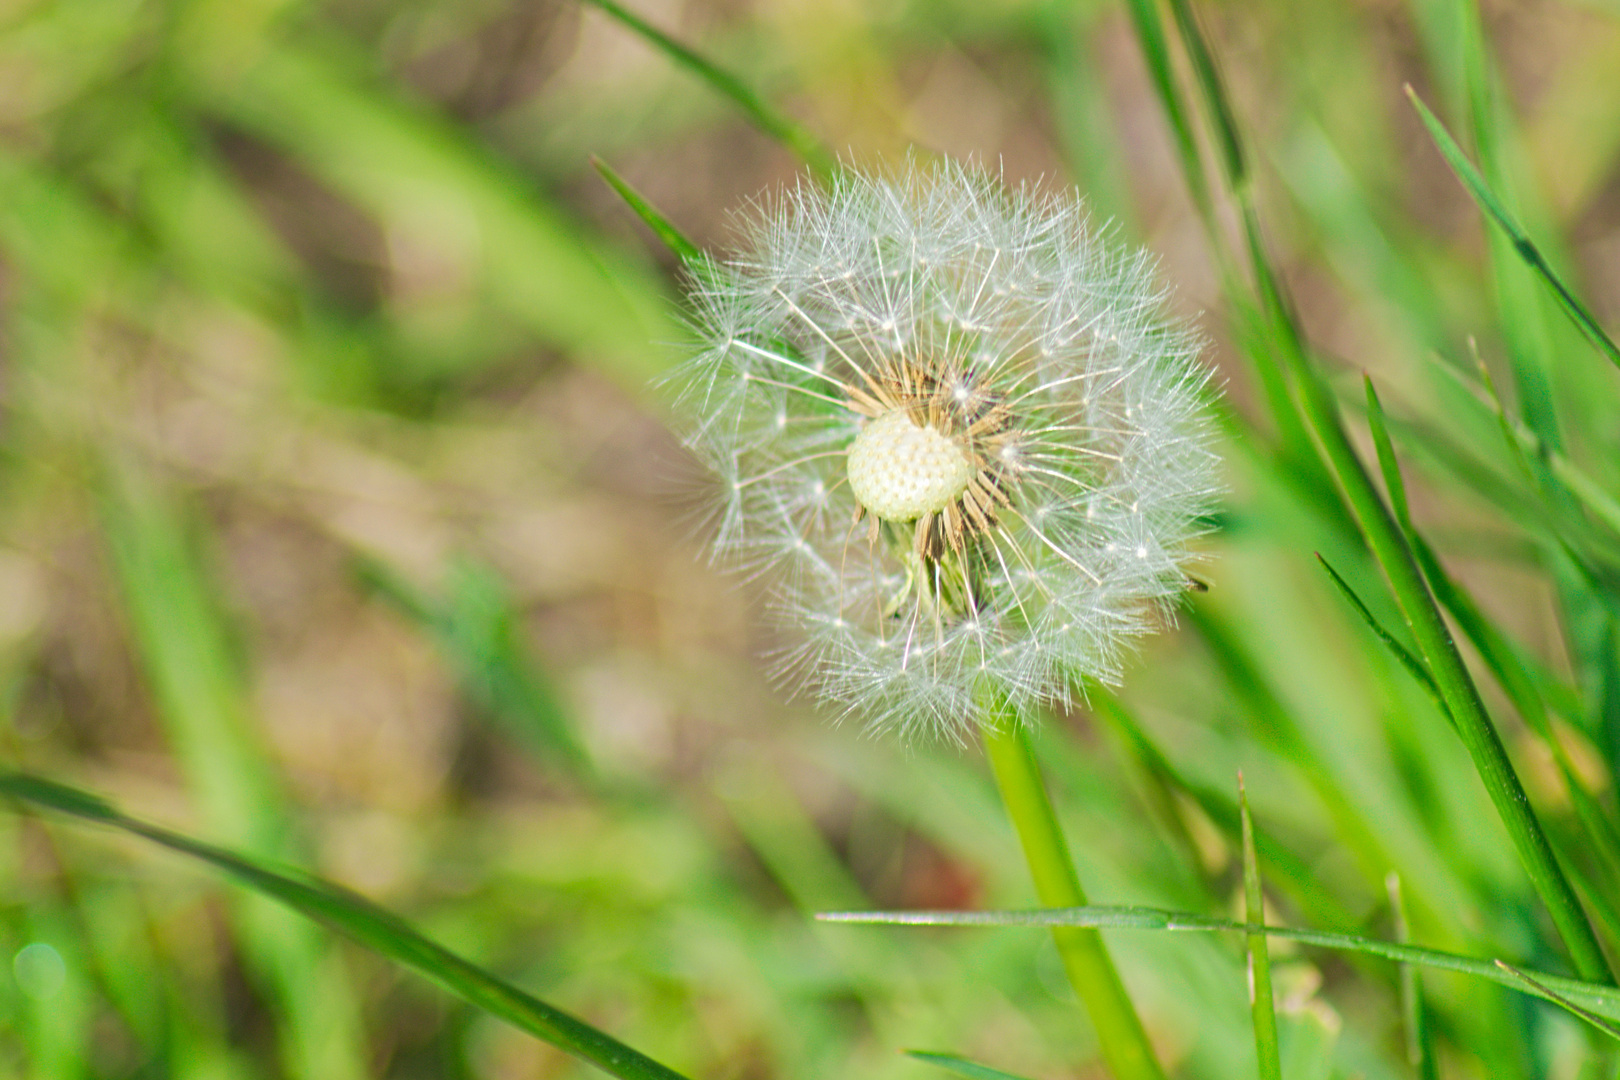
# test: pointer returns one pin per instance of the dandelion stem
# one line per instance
(1119, 1031)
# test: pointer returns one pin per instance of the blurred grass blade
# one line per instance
(369, 925)
(477, 630)
(201, 699)
(410, 169)
(1606, 1026)
(1298, 877)
(1260, 1002)
(1214, 91)
(689, 253)
(1155, 45)
(1522, 244)
(1269, 328)
(1419, 1052)
(790, 134)
(1602, 999)
(969, 1070)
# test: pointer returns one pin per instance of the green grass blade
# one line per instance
(369, 925)
(688, 252)
(1445, 663)
(1297, 876)
(969, 1070)
(1414, 1020)
(1260, 1001)
(790, 134)
(1600, 998)
(1318, 410)
(1606, 1026)
(1500, 657)
(1522, 244)
(1394, 485)
(1411, 663)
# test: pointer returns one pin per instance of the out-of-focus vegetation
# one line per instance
(338, 527)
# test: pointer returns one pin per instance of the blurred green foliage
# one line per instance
(340, 529)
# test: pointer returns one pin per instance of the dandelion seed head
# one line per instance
(957, 433)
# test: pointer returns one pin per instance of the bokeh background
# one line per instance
(339, 522)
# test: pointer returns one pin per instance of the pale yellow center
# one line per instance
(900, 471)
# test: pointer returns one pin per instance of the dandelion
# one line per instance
(956, 427)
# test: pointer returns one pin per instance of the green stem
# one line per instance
(1119, 1031)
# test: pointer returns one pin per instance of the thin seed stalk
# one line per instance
(1091, 972)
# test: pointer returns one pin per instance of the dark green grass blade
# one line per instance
(1260, 1002)
(1414, 1019)
(1522, 244)
(1319, 412)
(790, 134)
(689, 253)
(1213, 88)
(1445, 663)
(970, 1070)
(1601, 999)
(1498, 653)
(367, 924)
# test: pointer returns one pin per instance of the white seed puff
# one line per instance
(955, 428)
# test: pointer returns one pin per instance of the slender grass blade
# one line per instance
(366, 923)
(1522, 244)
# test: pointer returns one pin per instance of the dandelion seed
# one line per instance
(1004, 433)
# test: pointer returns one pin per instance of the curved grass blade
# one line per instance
(1498, 653)
(970, 1070)
(1260, 1002)
(1601, 999)
(794, 136)
(369, 925)
(1522, 244)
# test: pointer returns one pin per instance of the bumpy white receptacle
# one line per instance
(900, 471)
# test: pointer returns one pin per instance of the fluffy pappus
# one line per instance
(955, 428)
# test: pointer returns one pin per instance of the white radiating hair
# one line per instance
(1007, 299)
